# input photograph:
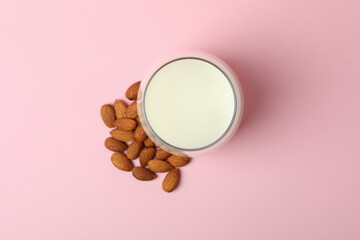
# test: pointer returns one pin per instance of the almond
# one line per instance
(178, 161)
(138, 120)
(140, 134)
(125, 124)
(115, 145)
(146, 155)
(162, 154)
(123, 136)
(171, 180)
(131, 111)
(108, 115)
(121, 161)
(120, 108)
(132, 91)
(143, 174)
(159, 166)
(134, 150)
(149, 143)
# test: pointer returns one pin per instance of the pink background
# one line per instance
(291, 171)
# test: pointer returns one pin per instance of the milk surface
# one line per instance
(189, 103)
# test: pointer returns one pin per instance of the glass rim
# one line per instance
(237, 96)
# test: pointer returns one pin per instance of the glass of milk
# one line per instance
(190, 103)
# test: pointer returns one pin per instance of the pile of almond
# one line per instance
(129, 141)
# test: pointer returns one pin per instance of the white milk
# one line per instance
(189, 103)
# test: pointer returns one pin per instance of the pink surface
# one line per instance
(291, 171)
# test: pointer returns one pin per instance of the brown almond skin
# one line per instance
(131, 111)
(149, 143)
(120, 108)
(123, 136)
(107, 113)
(115, 145)
(171, 180)
(134, 150)
(143, 174)
(146, 155)
(121, 162)
(138, 120)
(125, 124)
(156, 165)
(132, 91)
(140, 134)
(178, 161)
(162, 154)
